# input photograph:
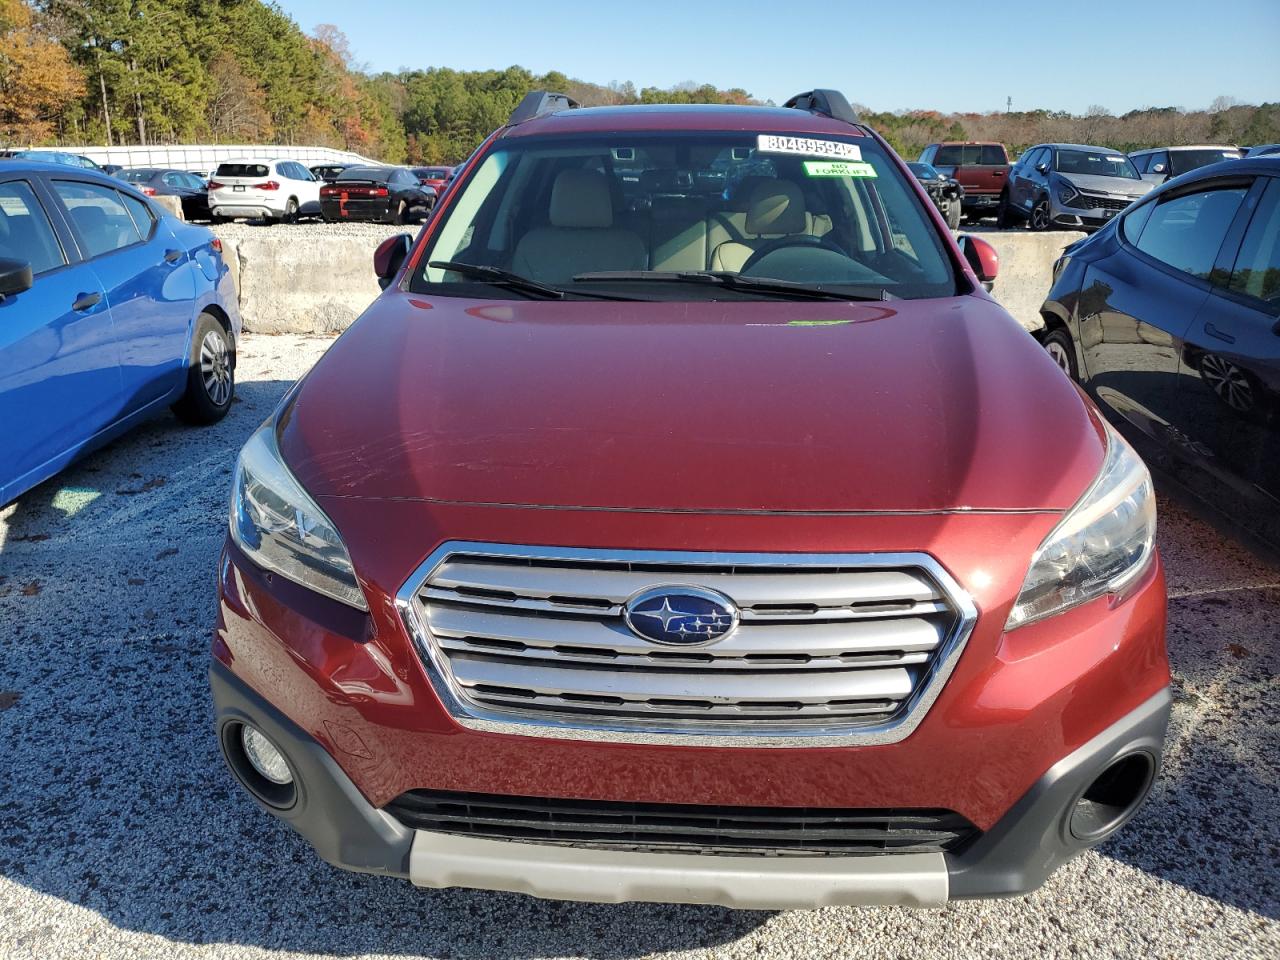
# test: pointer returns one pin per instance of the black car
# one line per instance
(1170, 318)
(328, 172)
(161, 182)
(388, 194)
(944, 191)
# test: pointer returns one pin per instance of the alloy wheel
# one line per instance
(1040, 216)
(1058, 353)
(215, 367)
(1228, 381)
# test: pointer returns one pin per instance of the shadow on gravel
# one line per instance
(114, 796)
(1212, 824)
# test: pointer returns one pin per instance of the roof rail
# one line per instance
(540, 102)
(830, 103)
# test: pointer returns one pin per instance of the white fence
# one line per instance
(208, 156)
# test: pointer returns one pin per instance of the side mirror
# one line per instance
(390, 257)
(15, 276)
(982, 257)
(1042, 168)
(1158, 168)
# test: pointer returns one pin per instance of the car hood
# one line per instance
(1121, 186)
(772, 406)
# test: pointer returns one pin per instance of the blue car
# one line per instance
(110, 310)
(1170, 318)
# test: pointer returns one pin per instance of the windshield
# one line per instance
(380, 174)
(835, 214)
(924, 171)
(1184, 161)
(1094, 164)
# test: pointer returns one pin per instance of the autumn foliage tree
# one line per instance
(38, 81)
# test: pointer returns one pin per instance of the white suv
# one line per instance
(270, 189)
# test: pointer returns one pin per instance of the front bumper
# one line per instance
(981, 201)
(1016, 855)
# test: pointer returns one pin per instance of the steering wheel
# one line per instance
(791, 240)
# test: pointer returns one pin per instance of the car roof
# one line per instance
(1186, 146)
(1083, 146)
(667, 116)
(968, 143)
(61, 171)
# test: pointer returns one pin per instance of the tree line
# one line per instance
(242, 71)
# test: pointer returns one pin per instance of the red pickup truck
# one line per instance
(981, 168)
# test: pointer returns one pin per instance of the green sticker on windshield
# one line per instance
(839, 168)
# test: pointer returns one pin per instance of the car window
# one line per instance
(173, 180)
(993, 155)
(1187, 231)
(192, 181)
(834, 212)
(241, 170)
(1038, 156)
(25, 231)
(1159, 163)
(1184, 161)
(100, 216)
(955, 155)
(1134, 222)
(1094, 163)
(143, 218)
(1140, 162)
(1257, 267)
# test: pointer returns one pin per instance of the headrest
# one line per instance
(580, 198)
(741, 197)
(777, 207)
(89, 217)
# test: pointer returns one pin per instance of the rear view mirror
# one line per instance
(982, 257)
(15, 276)
(390, 257)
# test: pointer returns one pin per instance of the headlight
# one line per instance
(281, 529)
(1101, 546)
(1066, 192)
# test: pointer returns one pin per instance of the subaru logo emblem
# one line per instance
(680, 615)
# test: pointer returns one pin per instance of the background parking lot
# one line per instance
(121, 835)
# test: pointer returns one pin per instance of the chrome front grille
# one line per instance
(838, 646)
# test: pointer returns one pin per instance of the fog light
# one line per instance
(264, 756)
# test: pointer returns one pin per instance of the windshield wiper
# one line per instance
(500, 277)
(732, 281)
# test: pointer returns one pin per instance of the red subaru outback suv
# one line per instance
(686, 523)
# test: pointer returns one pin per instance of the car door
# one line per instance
(1018, 178)
(148, 280)
(308, 188)
(1231, 363)
(59, 367)
(1137, 305)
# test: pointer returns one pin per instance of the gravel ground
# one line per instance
(122, 836)
(309, 229)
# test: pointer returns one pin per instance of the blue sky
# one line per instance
(1122, 54)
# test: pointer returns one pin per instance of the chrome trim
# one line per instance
(475, 717)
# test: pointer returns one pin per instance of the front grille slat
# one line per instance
(616, 585)
(900, 634)
(882, 683)
(841, 645)
(664, 827)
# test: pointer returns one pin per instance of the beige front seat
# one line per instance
(776, 209)
(582, 237)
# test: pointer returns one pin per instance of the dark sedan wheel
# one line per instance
(211, 376)
(1057, 343)
(1229, 382)
(1040, 214)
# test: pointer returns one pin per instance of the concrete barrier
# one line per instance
(172, 204)
(320, 285)
(1026, 269)
(302, 286)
